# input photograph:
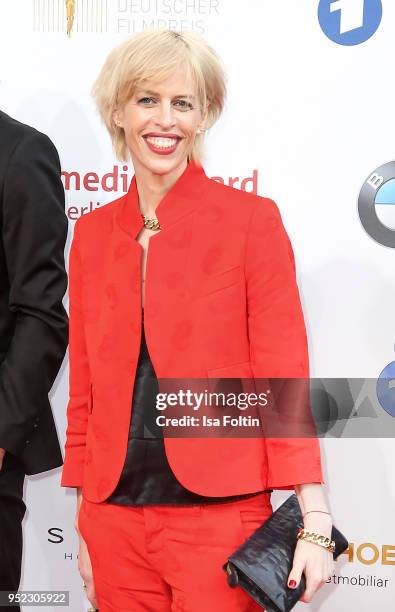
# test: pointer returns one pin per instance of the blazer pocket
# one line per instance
(242, 373)
(220, 280)
(241, 369)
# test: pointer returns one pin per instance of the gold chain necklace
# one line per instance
(151, 223)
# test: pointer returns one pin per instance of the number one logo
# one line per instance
(351, 14)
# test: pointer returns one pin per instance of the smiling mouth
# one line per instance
(162, 145)
(162, 142)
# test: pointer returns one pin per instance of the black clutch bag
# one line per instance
(261, 565)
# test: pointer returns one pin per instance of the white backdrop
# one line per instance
(309, 119)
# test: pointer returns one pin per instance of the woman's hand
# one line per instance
(315, 561)
(84, 561)
(85, 569)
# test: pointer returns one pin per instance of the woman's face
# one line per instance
(160, 123)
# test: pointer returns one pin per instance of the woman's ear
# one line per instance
(117, 118)
(202, 123)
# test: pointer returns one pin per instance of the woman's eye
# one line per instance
(184, 105)
(146, 99)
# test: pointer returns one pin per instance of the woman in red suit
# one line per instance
(215, 298)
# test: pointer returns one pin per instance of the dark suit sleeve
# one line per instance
(34, 232)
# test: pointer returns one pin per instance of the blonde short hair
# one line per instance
(155, 55)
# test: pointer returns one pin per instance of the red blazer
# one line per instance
(221, 300)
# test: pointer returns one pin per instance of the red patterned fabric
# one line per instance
(221, 300)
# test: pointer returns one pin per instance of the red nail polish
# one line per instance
(292, 584)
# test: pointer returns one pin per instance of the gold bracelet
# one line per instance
(316, 538)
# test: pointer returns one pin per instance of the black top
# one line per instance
(146, 477)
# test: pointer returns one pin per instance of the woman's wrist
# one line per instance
(318, 511)
(318, 522)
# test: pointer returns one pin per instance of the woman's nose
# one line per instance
(165, 114)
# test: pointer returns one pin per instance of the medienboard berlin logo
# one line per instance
(349, 22)
(385, 388)
(376, 205)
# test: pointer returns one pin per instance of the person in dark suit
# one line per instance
(33, 322)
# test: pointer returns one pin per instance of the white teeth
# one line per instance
(162, 143)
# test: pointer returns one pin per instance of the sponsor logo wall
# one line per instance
(308, 122)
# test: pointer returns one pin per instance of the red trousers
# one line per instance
(169, 558)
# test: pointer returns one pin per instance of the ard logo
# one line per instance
(70, 16)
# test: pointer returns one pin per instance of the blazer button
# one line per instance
(27, 441)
